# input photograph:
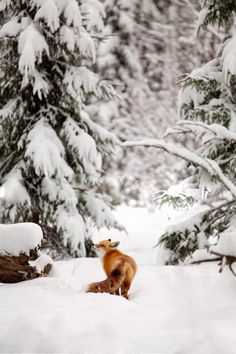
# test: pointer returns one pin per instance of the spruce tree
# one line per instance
(51, 150)
(132, 57)
(147, 45)
(207, 110)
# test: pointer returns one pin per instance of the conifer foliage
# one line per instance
(51, 151)
(207, 110)
(148, 45)
(129, 57)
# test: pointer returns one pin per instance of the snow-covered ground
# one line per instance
(181, 310)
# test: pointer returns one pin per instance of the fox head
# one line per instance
(105, 246)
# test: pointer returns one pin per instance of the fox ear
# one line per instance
(114, 244)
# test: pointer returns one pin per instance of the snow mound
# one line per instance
(19, 238)
(41, 262)
(226, 245)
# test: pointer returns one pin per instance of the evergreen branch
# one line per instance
(218, 130)
(176, 130)
(225, 260)
(210, 28)
(209, 165)
(207, 260)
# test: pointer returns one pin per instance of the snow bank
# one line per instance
(171, 310)
(19, 238)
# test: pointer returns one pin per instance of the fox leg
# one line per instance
(125, 288)
(117, 292)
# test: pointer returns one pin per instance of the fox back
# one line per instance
(119, 268)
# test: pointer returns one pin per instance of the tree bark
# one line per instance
(16, 269)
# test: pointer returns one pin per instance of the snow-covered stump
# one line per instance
(20, 258)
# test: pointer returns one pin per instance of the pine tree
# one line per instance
(129, 57)
(207, 110)
(148, 44)
(51, 150)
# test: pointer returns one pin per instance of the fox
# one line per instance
(119, 268)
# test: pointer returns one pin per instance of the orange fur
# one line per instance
(119, 268)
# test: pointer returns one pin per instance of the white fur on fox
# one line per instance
(19, 238)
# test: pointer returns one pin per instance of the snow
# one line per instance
(217, 130)
(209, 165)
(80, 80)
(99, 210)
(49, 12)
(72, 14)
(188, 218)
(229, 57)
(226, 244)
(98, 131)
(73, 227)
(31, 46)
(41, 262)
(12, 191)
(8, 109)
(4, 4)
(46, 151)
(41, 86)
(86, 45)
(94, 11)
(19, 238)
(68, 37)
(10, 29)
(200, 256)
(187, 310)
(82, 142)
(232, 125)
(202, 16)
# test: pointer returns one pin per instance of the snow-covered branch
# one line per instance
(210, 28)
(219, 131)
(209, 165)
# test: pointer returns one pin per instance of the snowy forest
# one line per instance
(118, 123)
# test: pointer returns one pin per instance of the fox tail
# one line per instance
(112, 283)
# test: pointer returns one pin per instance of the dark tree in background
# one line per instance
(149, 44)
(207, 111)
(51, 150)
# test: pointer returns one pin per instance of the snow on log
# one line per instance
(20, 258)
(43, 263)
(16, 239)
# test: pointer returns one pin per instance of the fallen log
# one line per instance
(20, 257)
(15, 269)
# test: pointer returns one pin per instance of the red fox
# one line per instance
(119, 268)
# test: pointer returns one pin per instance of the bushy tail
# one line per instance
(112, 283)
